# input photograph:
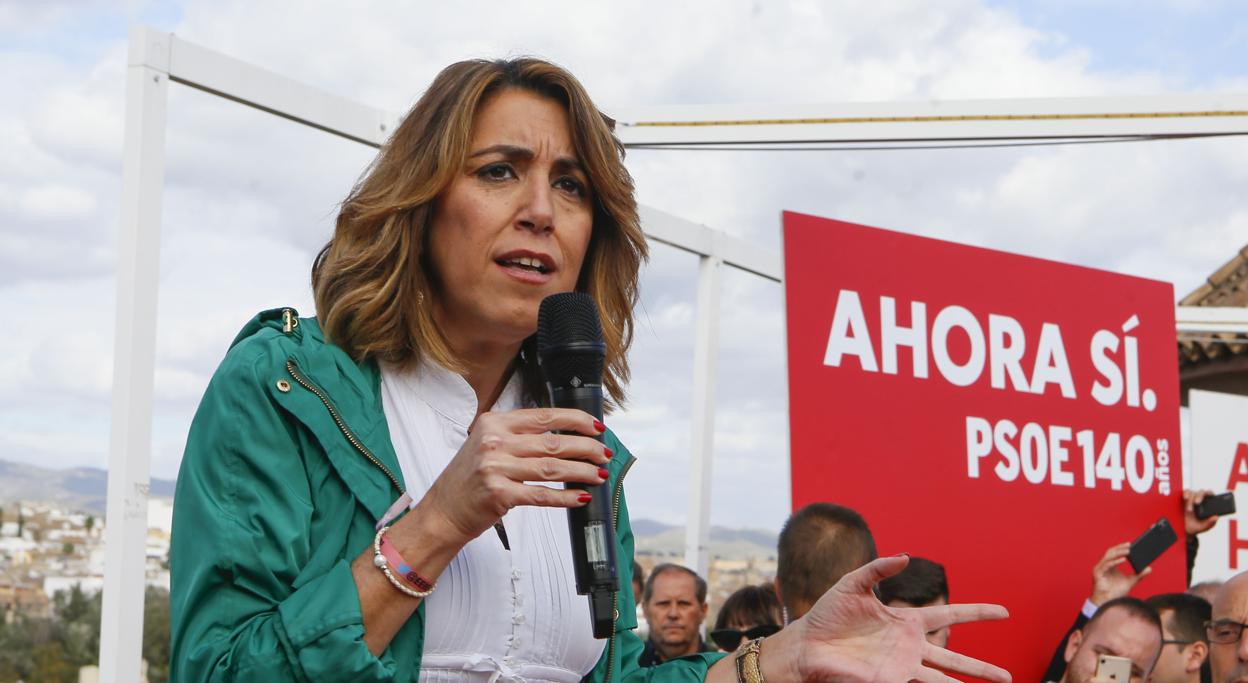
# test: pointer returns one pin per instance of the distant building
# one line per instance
(18, 597)
(1217, 362)
(17, 551)
(87, 584)
(160, 515)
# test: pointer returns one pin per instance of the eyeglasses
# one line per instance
(1224, 631)
(729, 638)
(1180, 643)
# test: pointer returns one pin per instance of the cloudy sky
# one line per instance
(249, 198)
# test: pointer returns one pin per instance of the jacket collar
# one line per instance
(338, 400)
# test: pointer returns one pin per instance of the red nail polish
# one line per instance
(603, 473)
(608, 452)
(600, 426)
(584, 497)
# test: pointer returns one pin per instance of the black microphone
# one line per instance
(571, 354)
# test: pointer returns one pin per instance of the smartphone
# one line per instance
(1110, 668)
(1221, 504)
(1151, 544)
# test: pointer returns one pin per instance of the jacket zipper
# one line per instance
(293, 369)
(615, 601)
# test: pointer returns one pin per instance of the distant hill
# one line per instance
(649, 527)
(82, 488)
(665, 539)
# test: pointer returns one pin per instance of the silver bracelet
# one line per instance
(380, 561)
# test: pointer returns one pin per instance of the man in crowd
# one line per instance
(674, 601)
(1183, 646)
(1228, 650)
(1205, 589)
(819, 544)
(920, 584)
(1124, 627)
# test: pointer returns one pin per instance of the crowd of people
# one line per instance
(819, 545)
(1170, 637)
(1189, 637)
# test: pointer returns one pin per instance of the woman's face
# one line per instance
(514, 225)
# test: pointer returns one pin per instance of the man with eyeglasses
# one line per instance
(1184, 648)
(1228, 650)
(1125, 627)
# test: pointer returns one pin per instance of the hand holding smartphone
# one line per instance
(1221, 504)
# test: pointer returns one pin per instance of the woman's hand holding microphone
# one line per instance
(504, 450)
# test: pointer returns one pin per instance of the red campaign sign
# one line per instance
(1006, 416)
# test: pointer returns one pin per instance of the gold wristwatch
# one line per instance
(748, 669)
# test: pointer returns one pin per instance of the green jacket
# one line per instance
(288, 465)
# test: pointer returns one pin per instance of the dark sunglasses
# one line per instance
(729, 638)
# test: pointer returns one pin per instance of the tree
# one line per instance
(156, 627)
(52, 649)
(17, 644)
(74, 605)
(76, 625)
(51, 665)
(90, 523)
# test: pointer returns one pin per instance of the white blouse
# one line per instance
(497, 614)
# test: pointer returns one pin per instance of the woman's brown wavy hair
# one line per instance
(371, 280)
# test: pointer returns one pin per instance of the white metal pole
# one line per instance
(134, 353)
(698, 532)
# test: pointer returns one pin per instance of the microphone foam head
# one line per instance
(569, 339)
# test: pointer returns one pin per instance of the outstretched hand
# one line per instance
(1108, 583)
(849, 635)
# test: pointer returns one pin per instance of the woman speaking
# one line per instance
(376, 494)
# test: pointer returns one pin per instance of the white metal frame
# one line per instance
(936, 120)
(157, 58)
(1211, 320)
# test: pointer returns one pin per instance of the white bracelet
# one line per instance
(380, 561)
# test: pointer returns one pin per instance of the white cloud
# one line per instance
(56, 203)
(82, 122)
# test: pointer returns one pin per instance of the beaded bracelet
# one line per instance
(385, 557)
